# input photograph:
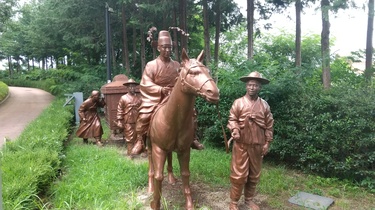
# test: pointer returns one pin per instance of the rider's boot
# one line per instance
(139, 146)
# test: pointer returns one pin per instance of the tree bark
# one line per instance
(298, 33)
(125, 50)
(217, 31)
(135, 46)
(206, 33)
(183, 5)
(143, 53)
(44, 64)
(369, 71)
(325, 44)
(250, 29)
(10, 66)
(175, 37)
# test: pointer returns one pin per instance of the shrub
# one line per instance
(4, 90)
(32, 161)
(328, 132)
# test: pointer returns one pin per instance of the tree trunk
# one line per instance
(125, 50)
(43, 64)
(113, 57)
(10, 66)
(135, 46)
(217, 31)
(206, 33)
(28, 64)
(298, 33)
(175, 37)
(250, 29)
(143, 53)
(325, 44)
(369, 71)
(183, 6)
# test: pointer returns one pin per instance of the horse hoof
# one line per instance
(190, 208)
(172, 180)
(154, 205)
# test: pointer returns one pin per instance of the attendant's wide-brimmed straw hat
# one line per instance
(255, 76)
(131, 82)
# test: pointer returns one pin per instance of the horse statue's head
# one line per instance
(196, 79)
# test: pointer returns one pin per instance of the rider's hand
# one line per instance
(166, 90)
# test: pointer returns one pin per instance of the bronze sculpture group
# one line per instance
(163, 120)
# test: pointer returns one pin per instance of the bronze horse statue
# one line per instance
(171, 128)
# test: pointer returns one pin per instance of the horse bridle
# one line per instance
(183, 80)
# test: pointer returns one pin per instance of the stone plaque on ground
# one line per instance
(311, 201)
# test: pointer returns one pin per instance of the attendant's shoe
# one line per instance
(233, 205)
(251, 205)
(99, 143)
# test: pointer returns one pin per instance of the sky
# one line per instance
(348, 27)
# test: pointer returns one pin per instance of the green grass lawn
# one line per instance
(103, 178)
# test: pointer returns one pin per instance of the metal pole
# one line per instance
(108, 44)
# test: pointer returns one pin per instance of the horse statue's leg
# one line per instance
(171, 178)
(158, 161)
(184, 159)
(150, 172)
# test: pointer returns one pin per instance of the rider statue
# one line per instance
(158, 79)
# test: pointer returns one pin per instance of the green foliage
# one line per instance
(211, 166)
(209, 122)
(6, 8)
(102, 178)
(61, 81)
(4, 90)
(31, 162)
(97, 178)
(328, 132)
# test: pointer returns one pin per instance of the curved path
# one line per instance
(21, 107)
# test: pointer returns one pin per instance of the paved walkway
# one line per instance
(21, 107)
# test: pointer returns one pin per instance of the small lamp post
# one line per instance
(108, 41)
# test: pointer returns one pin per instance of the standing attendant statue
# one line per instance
(127, 112)
(90, 126)
(158, 79)
(251, 125)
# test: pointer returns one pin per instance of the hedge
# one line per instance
(31, 162)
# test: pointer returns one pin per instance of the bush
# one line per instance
(61, 81)
(32, 161)
(328, 132)
(4, 90)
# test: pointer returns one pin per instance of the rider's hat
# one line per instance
(164, 38)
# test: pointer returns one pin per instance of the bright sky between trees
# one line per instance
(348, 27)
